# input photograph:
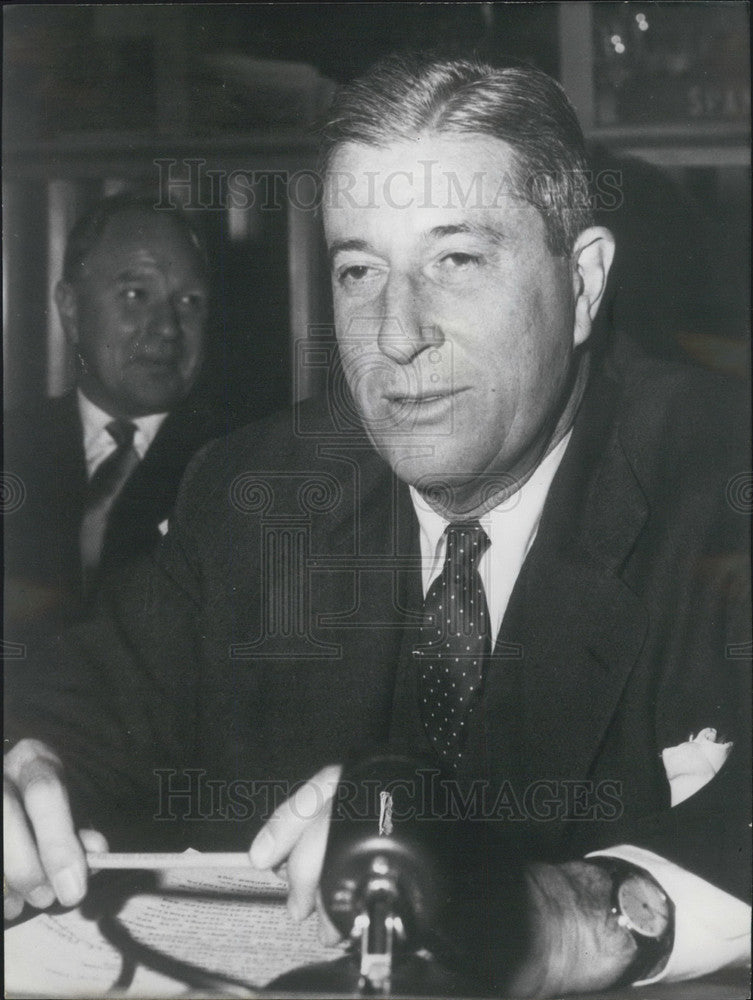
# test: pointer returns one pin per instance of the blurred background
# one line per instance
(211, 105)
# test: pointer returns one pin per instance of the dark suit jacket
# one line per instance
(44, 449)
(266, 638)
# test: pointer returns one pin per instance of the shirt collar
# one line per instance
(95, 420)
(514, 522)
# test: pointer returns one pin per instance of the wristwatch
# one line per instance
(641, 907)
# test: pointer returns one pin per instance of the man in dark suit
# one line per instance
(580, 517)
(133, 303)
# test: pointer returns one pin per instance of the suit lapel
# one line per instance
(67, 459)
(149, 495)
(370, 534)
(578, 625)
(368, 544)
(66, 445)
(582, 637)
(160, 468)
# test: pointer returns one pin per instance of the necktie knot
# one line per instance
(466, 543)
(122, 432)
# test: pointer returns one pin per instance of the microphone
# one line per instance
(431, 902)
(381, 879)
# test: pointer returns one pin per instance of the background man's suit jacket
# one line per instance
(267, 637)
(44, 448)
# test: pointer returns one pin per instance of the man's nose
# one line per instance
(406, 328)
(165, 321)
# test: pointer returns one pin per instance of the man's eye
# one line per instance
(193, 301)
(354, 273)
(356, 276)
(459, 261)
(133, 294)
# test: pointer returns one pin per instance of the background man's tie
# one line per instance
(103, 488)
(455, 641)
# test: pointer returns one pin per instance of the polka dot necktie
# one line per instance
(454, 642)
(102, 491)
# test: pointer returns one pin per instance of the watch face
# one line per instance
(645, 906)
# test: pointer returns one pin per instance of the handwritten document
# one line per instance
(231, 923)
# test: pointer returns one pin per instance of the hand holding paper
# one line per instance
(297, 833)
(44, 855)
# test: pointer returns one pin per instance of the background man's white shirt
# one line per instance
(99, 444)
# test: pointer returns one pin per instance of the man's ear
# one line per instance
(592, 257)
(67, 304)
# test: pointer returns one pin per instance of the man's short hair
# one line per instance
(402, 96)
(90, 228)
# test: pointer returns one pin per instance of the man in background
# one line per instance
(100, 466)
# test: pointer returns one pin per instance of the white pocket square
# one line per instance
(691, 765)
(163, 526)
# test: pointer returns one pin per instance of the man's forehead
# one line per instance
(142, 238)
(428, 155)
(440, 180)
(141, 226)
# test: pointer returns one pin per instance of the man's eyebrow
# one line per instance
(341, 245)
(470, 228)
(135, 272)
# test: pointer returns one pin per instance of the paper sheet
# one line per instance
(246, 939)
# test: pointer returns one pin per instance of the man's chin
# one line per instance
(442, 486)
(450, 486)
(163, 399)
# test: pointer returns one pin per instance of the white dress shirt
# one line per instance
(98, 442)
(510, 528)
(712, 927)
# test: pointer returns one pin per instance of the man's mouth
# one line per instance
(411, 410)
(156, 362)
(422, 398)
